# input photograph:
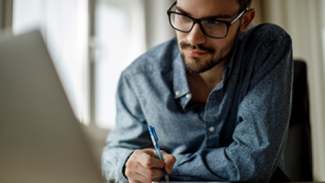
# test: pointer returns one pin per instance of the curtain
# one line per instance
(6, 7)
(158, 29)
(305, 22)
(256, 4)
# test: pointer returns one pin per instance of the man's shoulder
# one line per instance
(158, 58)
(262, 40)
(265, 33)
(267, 28)
(264, 46)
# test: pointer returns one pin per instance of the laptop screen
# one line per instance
(40, 138)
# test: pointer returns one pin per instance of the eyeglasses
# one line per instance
(210, 27)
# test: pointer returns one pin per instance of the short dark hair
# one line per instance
(244, 4)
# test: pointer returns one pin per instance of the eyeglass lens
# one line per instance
(211, 27)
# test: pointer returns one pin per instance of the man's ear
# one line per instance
(247, 19)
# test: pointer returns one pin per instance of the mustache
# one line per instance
(208, 49)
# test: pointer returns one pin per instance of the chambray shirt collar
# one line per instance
(231, 60)
(230, 63)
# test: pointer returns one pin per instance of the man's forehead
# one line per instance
(207, 8)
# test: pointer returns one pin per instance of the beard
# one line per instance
(197, 65)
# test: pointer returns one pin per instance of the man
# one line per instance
(218, 95)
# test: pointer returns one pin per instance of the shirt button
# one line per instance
(177, 93)
(211, 129)
(188, 95)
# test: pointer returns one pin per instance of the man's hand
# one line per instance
(144, 165)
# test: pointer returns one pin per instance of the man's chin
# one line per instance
(195, 64)
(195, 60)
(197, 68)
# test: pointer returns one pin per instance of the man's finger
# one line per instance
(136, 172)
(149, 175)
(151, 162)
(169, 161)
(152, 174)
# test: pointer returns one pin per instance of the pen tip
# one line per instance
(167, 178)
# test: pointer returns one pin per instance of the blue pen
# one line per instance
(154, 139)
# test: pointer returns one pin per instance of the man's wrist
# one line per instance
(124, 167)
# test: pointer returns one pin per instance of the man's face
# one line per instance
(200, 52)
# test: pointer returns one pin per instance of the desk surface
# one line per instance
(218, 182)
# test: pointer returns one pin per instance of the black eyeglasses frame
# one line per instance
(169, 12)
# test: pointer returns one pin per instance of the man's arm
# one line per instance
(128, 135)
(127, 158)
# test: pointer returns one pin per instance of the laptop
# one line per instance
(40, 138)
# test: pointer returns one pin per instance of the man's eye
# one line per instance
(211, 23)
(185, 18)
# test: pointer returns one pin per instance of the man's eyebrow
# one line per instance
(208, 17)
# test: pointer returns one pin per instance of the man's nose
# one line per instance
(196, 36)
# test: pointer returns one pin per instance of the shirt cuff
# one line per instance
(126, 156)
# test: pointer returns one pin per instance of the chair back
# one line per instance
(297, 153)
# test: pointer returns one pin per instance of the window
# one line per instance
(124, 29)
(64, 26)
(120, 35)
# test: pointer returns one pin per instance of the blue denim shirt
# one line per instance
(240, 133)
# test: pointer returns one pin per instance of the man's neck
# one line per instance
(212, 77)
(202, 84)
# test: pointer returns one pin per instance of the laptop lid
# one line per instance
(40, 138)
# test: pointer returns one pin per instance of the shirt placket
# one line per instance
(213, 124)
